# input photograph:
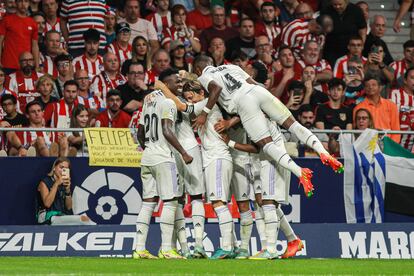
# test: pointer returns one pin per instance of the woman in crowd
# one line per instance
(45, 87)
(140, 53)
(54, 200)
(177, 56)
(77, 142)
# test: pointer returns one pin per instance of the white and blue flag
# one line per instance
(364, 179)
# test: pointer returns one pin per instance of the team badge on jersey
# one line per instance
(342, 116)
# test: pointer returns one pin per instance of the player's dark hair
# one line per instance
(166, 73)
(70, 82)
(29, 105)
(408, 44)
(6, 97)
(113, 92)
(335, 82)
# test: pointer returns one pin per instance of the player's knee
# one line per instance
(217, 203)
(244, 206)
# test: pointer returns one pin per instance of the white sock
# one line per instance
(307, 137)
(234, 240)
(198, 214)
(260, 226)
(272, 226)
(167, 224)
(179, 225)
(285, 225)
(282, 158)
(226, 226)
(246, 226)
(143, 221)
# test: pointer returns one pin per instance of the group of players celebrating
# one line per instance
(241, 147)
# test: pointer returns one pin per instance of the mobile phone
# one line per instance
(297, 92)
(65, 173)
(375, 50)
(352, 70)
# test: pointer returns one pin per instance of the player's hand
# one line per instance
(396, 26)
(22, 152)
(225, 137)
(200, 121)
(222, 125)
(187, 158)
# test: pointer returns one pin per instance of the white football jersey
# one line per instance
(232, 79)
(185, 133)
(277, 137)
(213, 147)
(155, 108)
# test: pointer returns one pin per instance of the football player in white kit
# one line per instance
(238, 93)
(218, 169)
(158, 172)
(191, 175)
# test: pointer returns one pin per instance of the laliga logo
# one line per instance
(107, 198)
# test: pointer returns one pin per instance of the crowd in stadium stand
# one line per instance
(76, 64)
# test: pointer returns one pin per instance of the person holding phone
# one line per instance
(54, 199)
(298, 95)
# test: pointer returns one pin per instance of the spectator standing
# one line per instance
(384, 112)
(355, 46)
(244, 42)
(216, 51)
(287, 9)
(40, 20)
(133, 92)
(200, 18)
(77, 17)
(50, 9)
(140, 53)
(65, 72)
(348, 21)
(401, 66)
(354, 92)
(18, 34)
(268, 25)
(304, 10)
(110, 22)
(161, 18)
(90, 61)
(333, 114)
(140, 26)
(365, 11)
(299, 31)
(108, 79)
(23, 81)
(404, 99)
(405, 6)
(218, 29)
(121, 46)
(53, 49)
(378, 28)
(113, 116)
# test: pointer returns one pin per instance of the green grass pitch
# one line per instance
(113, 266)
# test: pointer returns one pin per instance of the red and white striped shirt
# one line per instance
(160, 22)
(24, 87)
(270, 31)
(59, 114)
(296, 34)
(92, 102)
(121, 54)
(28, 138)
(81, 16)
(49, 66)
(341, 66)
(150, 77)
(399, 67)
(405, 104)
(319, 67)
(92, 67)
(54, 27)
(101, 84)
(171, 33)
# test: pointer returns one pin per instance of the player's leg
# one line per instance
(218, 177)
(150, 199)
(269, 205)
(179, 229)
(294, 243)
(258, 213)
(195, 187)
(258, 128)
(169, 190)
(240, 186)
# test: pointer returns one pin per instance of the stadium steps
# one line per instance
(389, 9)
